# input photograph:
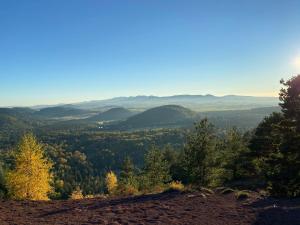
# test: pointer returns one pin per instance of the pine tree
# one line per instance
(198, 151)
(230, 159)
(128, 184)
(127, 171)
(276, 143)
(156, 170)
(264, 146)
(2, 182)
(286, 178)
(31, 177)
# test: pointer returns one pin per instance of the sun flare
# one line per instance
(296, 61)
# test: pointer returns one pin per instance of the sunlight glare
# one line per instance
(296, 61)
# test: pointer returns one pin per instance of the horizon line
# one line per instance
(130, 96)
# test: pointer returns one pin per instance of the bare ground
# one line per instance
(166, 208)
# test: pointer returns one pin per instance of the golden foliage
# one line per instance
(90, 196)
(77, 194)
(31, 177)
(111, 182)
(176, 185)
(127, 189)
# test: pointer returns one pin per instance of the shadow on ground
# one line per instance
(271, 211)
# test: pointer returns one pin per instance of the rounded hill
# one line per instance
(161, 116)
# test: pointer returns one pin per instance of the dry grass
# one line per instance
(176, 185)
(227, 191)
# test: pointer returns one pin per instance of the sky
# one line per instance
(64, 51)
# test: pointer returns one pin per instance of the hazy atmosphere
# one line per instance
(72, 51)
(140, 112)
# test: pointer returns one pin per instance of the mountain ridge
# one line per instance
(190, 101)
(194, 102)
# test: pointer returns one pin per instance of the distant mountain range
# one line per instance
(168, 116)
(142, 112)
(194, 102)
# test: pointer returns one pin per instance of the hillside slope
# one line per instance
(61, 111)
(242, 119)
(16, 120)
(112, 114)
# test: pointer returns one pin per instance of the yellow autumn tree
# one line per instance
(31, 176)
(111, 182)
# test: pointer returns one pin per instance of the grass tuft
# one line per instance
(242, 195)
(227, 191)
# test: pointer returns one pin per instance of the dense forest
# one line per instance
(136, 152)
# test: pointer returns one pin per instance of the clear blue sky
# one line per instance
(54, 51)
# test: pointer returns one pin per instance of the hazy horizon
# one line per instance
(104, 99)
(54, 52)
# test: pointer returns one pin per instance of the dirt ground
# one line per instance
(166, 208)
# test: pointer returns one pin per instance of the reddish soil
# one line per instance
(167, 208)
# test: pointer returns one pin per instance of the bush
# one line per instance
(176, 185)
(77, 194)
(125, 190)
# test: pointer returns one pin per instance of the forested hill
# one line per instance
(61, 111)
(112, 114)
(163, 116)
(18, 120)
(242, 119)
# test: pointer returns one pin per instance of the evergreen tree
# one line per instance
(198, 151)
(264, 146)
(156, 170)
(276, 143)
(31, 177)
(127, 171)
(173, 158)
(3, 190)
(285, 179)
(128, 184)
(231, 161)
